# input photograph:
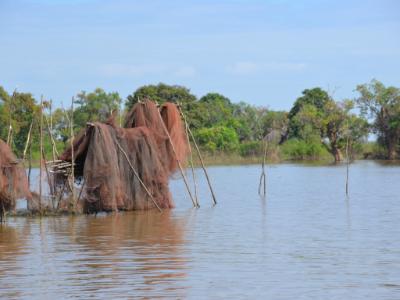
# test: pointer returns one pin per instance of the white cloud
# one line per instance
(250, 68)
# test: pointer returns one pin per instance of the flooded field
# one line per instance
(305, 240)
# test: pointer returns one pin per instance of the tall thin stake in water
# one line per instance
(10, 112)
(71, 122)
(263, 182)
(191, 160)
(195, 204)
(347, 165)
(199, 155)
(54, 148)
(41, 153)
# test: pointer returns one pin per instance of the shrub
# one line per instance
(219, 138)
(297, 149)
(251, 148)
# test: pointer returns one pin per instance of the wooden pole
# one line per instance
(72, 153)
(199, 156)
(51, 186)
(10, 111)
(30, 164)
(191, 163)
(195, 204)
(53, 143)
(50, 129)
(263, 176)
(41, 151)
(347, 165)
(27, 141)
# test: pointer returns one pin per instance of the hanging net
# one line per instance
(13, 179)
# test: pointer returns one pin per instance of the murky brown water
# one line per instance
(306, 240)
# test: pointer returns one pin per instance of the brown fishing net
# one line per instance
(147, 114)
(120, 167)
(13, 179)
(172, 120)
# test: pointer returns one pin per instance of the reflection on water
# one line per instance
(120, 254)
(305, 240)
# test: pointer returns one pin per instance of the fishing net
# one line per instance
(147, 114)
(180, 149)
(13, 180)
(128, 168)
(116, 164)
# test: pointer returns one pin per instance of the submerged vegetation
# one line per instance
(317, 127)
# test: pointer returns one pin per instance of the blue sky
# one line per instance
(261, 52)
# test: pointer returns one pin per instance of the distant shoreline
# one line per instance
(222, 159)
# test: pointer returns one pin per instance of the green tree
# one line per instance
(217, 109)
(61, 129)
(169, 93)
(275, 126)
(23, 110)
(315, 97)
(161, 93)
(249, 121)
(95, 106)
(218, 138)
(382, 104)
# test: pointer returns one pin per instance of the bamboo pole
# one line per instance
(51, 186)
(347, 165)
(72, 153)
(30, 164)
(50, 129)
(195, 204)
(53, 143)
(263, 175)
(10, 111)
(27, 141)
(41, 151)
(191, 163)
(199, 156)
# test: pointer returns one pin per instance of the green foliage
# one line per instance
(382, 104)
(250, 120)
(298, 149)
(161, 93)
(316, 98)
(276, 123)
(170, 93)
(218, 138)
(218, 109)
(249, 148)
(23, 109)
(315, 126)
(95, 106)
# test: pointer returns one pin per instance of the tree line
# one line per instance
(317, 126)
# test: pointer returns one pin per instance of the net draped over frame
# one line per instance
(113, 161)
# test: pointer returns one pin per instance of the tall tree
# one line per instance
(161, 93)
(315, 97)
(95, 106)
(382, 104)
(217, 109)
(250, 121)
(168, 93)
(23, 109)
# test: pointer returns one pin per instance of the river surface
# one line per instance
(305, 240)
